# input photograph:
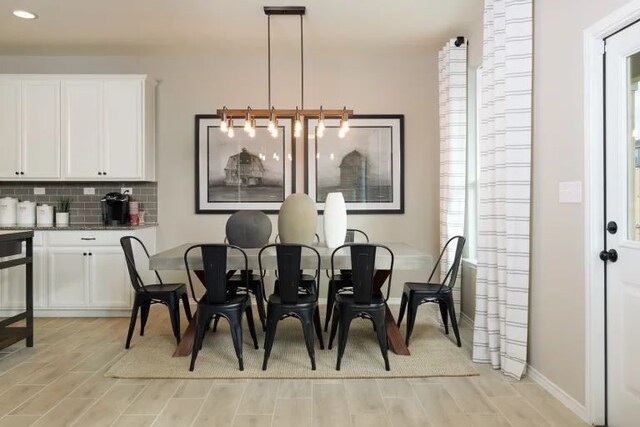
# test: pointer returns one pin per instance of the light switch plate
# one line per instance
(89, 191)
(126, 190)
(39, 191)
(570, 192)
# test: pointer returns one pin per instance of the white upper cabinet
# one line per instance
(41, 129)
(77, 127)
(30, 128)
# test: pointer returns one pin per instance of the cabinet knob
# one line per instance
(104, 173)
(84, 254)
(90, 254)
(17, 173)
(99, 173)
(21, 173)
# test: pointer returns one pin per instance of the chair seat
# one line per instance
(164, 288)
(303, 299)
(426, 288)
(231, 301)
(349, 299)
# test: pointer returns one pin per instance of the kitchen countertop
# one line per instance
(81, 227)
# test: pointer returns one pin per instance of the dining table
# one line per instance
(405, 257)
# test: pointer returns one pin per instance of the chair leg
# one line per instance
(318, 326)
(260, 304)
(444, 314)
(235, 323)
(216, 319)
(331, 296)
(272, 323)
(144, 315)
(403, 307)
(201, 327)
(252, 327)
(334, 325)
(454, 321)
(412, 311)
(307, 330)
(187, 307)
(381, 331)
(132, 323)
(343, 333)
(174, 315)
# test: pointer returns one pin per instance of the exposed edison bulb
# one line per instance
(298, 129)
(274, 133)
(224, 127)
(271, 126)
(344, 126)
(247, 126)
(231, 133)
(252, 132)
(342, 133)
(320, 129)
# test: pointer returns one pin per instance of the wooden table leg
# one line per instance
(394, 337)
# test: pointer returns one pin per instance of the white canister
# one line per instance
(335, 220)
(26, 214)
(8, 212)
(44, 215)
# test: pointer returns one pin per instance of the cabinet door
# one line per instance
(13, 283)
(82, 129)
(108, 283)
(122, 147)
(67, 277)
(10, 128)
(41, 129)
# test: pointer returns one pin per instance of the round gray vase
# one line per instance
(248, 229)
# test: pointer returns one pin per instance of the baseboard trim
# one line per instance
(572, 404)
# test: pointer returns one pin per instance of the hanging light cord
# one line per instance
(301, 63)
(269, 57)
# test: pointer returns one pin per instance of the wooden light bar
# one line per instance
(265, 114)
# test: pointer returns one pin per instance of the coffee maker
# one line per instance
(115, 209)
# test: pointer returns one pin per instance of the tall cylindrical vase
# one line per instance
(335, 220)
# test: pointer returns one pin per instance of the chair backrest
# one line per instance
(363, 269)
(353, 233)
(214, 270)
(289, 265)
(127, 248)
(450, 278)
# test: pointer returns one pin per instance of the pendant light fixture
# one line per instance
(271, 113)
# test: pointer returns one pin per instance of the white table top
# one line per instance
(406, 258)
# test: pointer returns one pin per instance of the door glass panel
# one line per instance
(633, 132)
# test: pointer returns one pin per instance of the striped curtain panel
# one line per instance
(500, 331)
(452, 61)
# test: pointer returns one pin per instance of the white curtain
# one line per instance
(500, 332)
(452, 61)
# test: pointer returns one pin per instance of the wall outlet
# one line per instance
(126, 190)
(89, 191)
(38, 191)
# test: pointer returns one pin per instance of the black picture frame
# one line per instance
(393, 122)
(205, 124)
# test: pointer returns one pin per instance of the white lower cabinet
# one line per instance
(76, 273)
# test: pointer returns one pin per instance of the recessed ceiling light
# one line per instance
(24, 14)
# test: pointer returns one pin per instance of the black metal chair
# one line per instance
(287, 301)
(307, 280)
(168, 294)
(415, 294)
(341, 282)
(365, 301)
(217, 300)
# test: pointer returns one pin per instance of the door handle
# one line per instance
(612, 227)
(87, 238)
(610, 255)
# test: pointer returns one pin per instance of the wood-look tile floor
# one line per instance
(60, 382)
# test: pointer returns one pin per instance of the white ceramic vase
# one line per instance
(62, 219)
(335, 220)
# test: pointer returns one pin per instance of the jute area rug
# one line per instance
(433, 354)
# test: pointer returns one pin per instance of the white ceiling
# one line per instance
(202, 26)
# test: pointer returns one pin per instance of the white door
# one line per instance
(13, 280)
(108, 282)
(82, 129)
(10, 128)
(122, 147)
(41, 129)
(67, 278)
(623, 207)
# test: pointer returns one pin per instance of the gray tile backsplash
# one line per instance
(85, 209)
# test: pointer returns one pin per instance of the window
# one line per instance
(473, 162)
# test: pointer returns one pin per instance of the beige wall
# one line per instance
(557, 299)
(371, 82)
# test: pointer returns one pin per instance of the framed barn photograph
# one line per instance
(366, 165)
(242, 172)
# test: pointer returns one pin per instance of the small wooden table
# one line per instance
(11, 245)
(406, 258)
